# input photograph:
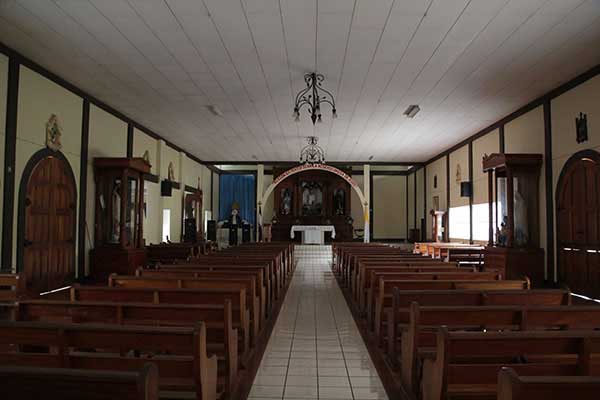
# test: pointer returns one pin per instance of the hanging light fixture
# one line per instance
(313, 96)
(312, 153)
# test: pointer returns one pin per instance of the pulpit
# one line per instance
(514, 235)
(118, 241)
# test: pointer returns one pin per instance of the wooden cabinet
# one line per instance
(513, 192)
(118, 241)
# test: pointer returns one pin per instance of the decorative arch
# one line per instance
(327, 168)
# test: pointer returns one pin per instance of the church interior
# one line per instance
(285, 199)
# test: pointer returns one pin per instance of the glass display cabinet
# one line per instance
(118, 241)
(514, 216)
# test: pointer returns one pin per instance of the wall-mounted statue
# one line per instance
(286, 201)
(339, 201)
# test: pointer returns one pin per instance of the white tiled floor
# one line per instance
(315, 351)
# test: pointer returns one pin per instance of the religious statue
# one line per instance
(339, 198)
(286, 201)
(502, 233)
(234, 217)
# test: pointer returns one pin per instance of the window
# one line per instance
(460, 220)
(166, 225)
(481, 219)
(460, 223)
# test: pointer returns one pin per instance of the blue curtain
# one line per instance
(241, 189)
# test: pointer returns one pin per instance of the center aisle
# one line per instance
(315, 350)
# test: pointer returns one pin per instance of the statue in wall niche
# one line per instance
(286, 202)
(171, 172)
(53, 133)
(146, 156)
(339, 201)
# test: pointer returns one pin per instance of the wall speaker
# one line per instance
(166, 188)
(465, 189)
(211, 230)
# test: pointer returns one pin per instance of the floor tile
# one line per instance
(316, 350)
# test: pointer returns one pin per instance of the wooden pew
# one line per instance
(174, 272)
(363, 264)
(468, 363)
(511, 386)
(192, 270)
(222, 335)
(76, 384)
(218, 296)
(384, 295)
(170, 252)
(418, 335)
(180, 354)
(235, 283)
(398, 313)
(12, 287)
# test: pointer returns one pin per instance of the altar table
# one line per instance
(313, 234)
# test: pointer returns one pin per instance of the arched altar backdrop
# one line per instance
(327, 168)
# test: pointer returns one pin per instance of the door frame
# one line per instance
(25, 176)
(587, 153)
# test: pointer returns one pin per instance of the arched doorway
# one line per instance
(47, 222)
(578, 223)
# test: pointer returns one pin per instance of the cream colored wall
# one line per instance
(356, 208)
(39, 98)
(389, 207)
(107, 138)
(143, 143)
(438, 168)
(584, 98)
(526, 135)
(458, 158)
(420, 196)
(268, 207)
(206, 190)
(411, 201)
(3, 90)
(487, 144)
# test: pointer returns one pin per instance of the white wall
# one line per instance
(3, 94)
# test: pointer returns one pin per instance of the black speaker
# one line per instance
(166, 188)
(465, 189)
(246, 233)
(211, 230)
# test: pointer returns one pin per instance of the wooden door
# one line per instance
(578, 225)
(49, 242)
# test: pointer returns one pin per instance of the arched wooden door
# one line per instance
(578, 223)
(48, 238)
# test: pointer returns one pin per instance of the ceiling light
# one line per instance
(312, 154)
(312, 97)
(214, 110)
(412, 110)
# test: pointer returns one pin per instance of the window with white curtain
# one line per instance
(459, 219)
(481, 219)
(166, 225)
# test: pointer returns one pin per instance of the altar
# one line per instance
(313, 234)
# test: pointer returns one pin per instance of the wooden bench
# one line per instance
(26, 383)
(262, 285)
(468, 363)
(398, 313)
(511, 386)
(235, 283)
(170, 252)
(180, 354)
(210, 272)
(218, 296)
(12, 287)
(418, 335)
(382, 294)
(221, 332)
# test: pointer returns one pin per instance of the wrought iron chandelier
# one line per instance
(313, 96)
(312, 153)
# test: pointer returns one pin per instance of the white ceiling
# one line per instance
(467, 63)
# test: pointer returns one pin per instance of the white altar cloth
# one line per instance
(313, 234)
